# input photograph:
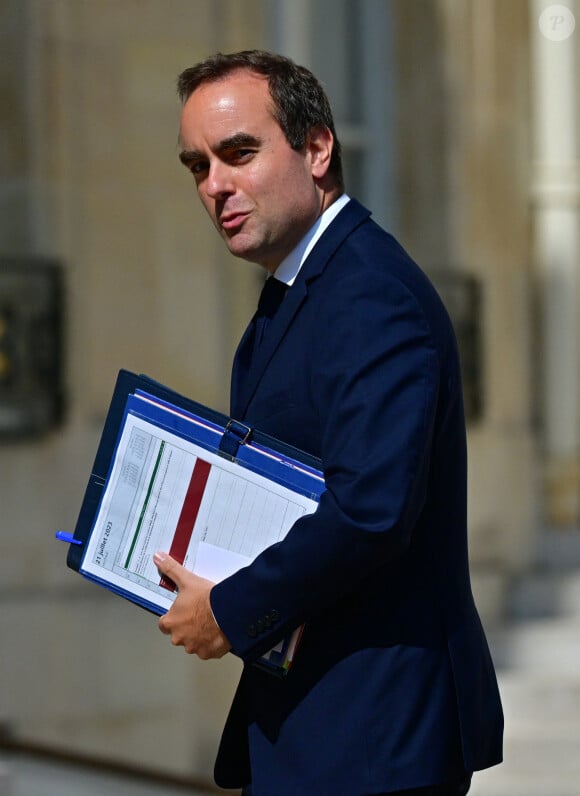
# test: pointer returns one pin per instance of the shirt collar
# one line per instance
(290, 266)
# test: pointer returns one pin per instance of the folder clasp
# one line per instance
(235, 434)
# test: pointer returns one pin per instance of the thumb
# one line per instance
(168, 566)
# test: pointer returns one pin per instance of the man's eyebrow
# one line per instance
(238, 140)
(234, 141)
(187, 156)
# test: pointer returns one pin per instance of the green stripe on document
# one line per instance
(146, 501)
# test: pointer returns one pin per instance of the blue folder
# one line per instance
(143, 397)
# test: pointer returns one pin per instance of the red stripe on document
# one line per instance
(188, 516)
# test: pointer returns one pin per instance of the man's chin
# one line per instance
(242, 248)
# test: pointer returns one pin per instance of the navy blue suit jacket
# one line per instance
(393, 686)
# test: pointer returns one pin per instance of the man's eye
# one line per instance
(242, 154)
(198, 168)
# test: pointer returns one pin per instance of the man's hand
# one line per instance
(190, 621)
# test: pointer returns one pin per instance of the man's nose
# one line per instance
(219, 181)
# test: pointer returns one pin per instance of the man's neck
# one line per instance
(290, 266)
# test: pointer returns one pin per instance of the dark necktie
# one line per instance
(270, 299)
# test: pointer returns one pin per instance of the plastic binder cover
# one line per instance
(161, 482)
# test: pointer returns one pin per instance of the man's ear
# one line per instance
(319, 145)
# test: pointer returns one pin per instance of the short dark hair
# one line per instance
(299, 101)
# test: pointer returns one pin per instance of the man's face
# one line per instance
(260, 193)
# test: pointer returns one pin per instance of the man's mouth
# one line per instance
(232, 221)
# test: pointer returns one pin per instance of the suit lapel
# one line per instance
(247, 370)
(240, 369)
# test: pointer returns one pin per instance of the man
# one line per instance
(392, 689)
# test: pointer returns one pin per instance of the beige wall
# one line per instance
(126, 220)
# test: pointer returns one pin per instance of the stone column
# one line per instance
(556, 206)
(486, 71)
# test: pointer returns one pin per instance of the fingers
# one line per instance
(190, 622)
(164, 626)
(168, 566)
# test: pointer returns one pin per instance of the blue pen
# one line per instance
(63, 536)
